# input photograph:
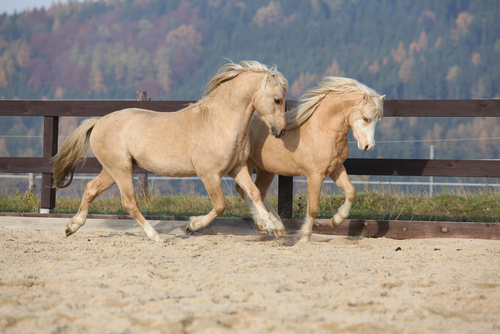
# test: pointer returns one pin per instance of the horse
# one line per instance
(315, 144)
(209, 138)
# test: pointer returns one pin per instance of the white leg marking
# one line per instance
(260, 216)
(197, 222)
(151, 232)
(342, 213)
(306, 230)
(275, 218)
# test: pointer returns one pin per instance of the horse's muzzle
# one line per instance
(367, 148)
(276, 134)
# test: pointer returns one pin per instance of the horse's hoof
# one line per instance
(335, 222)
(261, 231)
(280, 233)
(68, 231)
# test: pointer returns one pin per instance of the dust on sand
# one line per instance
(118, 281)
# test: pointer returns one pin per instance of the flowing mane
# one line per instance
(231, 70)
(308, 102)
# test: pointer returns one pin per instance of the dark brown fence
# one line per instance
(52, 110)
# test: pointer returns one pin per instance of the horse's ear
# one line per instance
(270, 80)
(382, 98)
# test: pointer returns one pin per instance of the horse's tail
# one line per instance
(66, 159)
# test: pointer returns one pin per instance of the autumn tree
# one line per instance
(333, 69)
(268, 15)
(302, 83)
(185, 44)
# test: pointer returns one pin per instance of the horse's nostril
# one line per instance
(273, 131)
(282, 133)
(366, 148)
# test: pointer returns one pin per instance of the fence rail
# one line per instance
(52, 110)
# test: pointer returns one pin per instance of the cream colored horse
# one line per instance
(315, 144)
(209, 138)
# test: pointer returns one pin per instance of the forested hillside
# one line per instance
(424, 49)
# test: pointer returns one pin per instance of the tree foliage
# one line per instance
(108, 49)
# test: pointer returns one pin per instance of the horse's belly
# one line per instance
(166, 161)
(277, 162)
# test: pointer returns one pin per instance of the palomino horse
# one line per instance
(209, 138)
(315, 144)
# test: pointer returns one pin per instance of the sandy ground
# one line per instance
(110, 278)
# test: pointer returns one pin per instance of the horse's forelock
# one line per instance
(372, 105)
(373, 102)
(279, 77)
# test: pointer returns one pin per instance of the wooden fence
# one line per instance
(52, 110)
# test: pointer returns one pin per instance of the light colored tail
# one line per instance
(66, 159)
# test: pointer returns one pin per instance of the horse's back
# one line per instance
(143, 124)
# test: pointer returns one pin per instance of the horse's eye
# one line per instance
(366, 119)
(277, 101)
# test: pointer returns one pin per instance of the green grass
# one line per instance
(483, 207)
(459, 208)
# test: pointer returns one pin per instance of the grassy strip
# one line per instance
(483, 207)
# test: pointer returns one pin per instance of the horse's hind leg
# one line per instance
(342, 180)
(92, 189)
(214, 189)
(314, 183)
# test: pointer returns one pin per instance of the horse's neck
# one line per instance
(232, 104)
(332, 114)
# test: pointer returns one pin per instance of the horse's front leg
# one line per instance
(341, 178)
(263, 182)
(214, 189)
(314, 183)
(259, 213)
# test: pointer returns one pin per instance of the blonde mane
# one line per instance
(308, 102)
(231, 70)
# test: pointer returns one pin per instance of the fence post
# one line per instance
(142, 186)
(285, 190)
(431, 178)
(31, 182)
(50, 136)
(285, 196)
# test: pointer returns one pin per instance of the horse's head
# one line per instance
(364, 118)
(269, 102)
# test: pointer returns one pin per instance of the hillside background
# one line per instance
(426, 49)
